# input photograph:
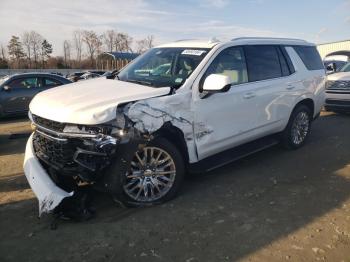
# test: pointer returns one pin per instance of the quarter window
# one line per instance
(263, 62)
(310, 57)
(230, 62)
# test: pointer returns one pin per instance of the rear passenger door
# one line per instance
(269, 70)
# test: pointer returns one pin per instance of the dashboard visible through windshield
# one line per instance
(161, 67)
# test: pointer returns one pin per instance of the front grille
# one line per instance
(56, 153)
(338, 85)
(49, 124)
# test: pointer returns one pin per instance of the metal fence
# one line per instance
(64, 72)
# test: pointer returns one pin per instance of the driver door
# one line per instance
(225, 120)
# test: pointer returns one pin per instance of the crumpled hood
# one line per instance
(341, 76)
(89, 102)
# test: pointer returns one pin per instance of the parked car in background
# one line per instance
(89, 75)
(136, 136)
(338, 90)
(74, 77)
(17, 91)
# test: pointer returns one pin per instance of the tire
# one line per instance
(298, 128)
(148, 177)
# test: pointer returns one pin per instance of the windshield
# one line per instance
(345, 68)
(160, 67)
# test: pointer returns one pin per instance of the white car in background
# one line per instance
(338, 90)
(137, 136)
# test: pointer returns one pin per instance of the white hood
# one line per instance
(341, 76)
(89, 102)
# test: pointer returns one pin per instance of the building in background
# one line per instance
(335, 51)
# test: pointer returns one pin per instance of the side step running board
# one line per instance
(233, 154)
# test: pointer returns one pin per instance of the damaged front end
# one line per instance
(61, 157)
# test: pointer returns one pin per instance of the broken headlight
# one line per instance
(120, 120)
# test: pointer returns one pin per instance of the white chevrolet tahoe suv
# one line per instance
(338, 90)
(188, 106)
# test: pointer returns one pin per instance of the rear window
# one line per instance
(310, 57)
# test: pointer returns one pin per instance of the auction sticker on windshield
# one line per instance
(193, 52)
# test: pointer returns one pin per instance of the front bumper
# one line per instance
(48, 194)
(337, 105)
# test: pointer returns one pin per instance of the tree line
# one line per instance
(32, 51)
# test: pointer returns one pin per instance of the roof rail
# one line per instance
(268, 38)
(182, 40)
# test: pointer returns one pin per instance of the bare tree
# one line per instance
(27, 42)
(78, 44)
(123, 42)
(93, 43)
(145, 44)
(109, 38)
(66, 52)
(36, 41)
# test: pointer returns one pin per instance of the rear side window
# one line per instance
(50, 82)
(263, 62)
(310, 57)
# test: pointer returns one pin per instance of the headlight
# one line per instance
(329, 84)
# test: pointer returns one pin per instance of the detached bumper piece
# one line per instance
(48, 194)
(337, 105)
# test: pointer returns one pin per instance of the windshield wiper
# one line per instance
(141, 82)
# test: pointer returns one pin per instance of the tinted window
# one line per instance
(50, 82)
(230, 62)
(26, 83)
(310, 57)
(263, 62)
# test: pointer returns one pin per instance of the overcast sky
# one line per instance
(314, 20)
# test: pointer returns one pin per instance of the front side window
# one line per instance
(230, 62)
(25, 83)
(263, 62)
(161, 67)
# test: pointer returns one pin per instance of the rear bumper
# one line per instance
(48, 194)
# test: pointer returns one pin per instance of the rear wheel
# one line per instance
(155, 175)
(298, 128)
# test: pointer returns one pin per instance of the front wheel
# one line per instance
(155, 174)
(298, 128)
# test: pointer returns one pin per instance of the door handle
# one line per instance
(249, 95)
(290, 87)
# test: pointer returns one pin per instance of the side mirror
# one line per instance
(7, 88)
(216, 83)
